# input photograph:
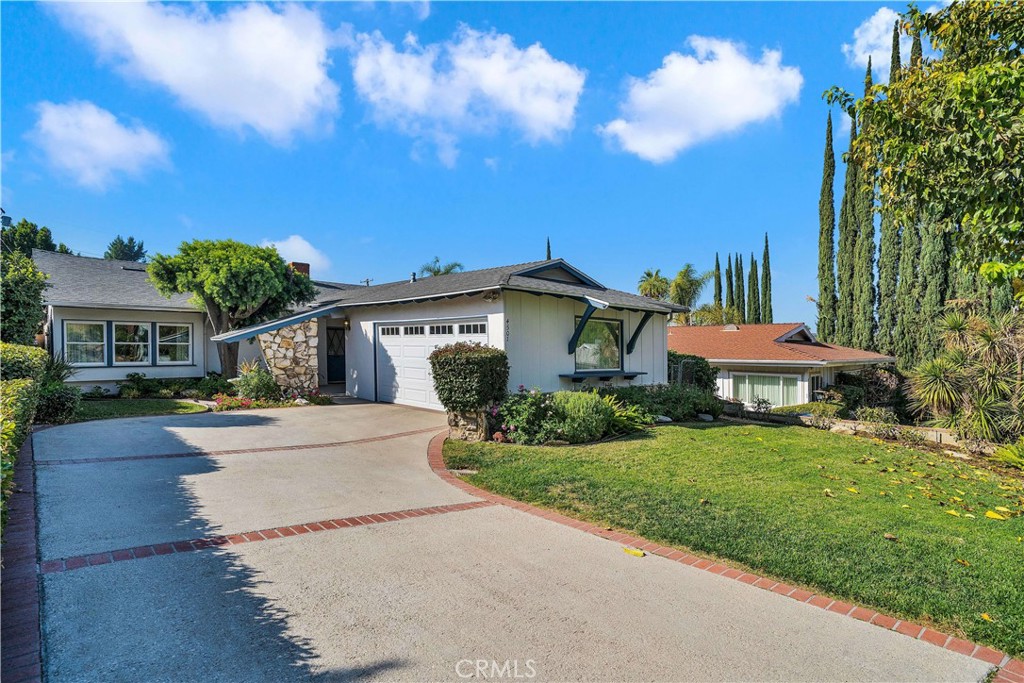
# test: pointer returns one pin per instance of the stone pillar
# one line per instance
(291, 355)
(468, 426)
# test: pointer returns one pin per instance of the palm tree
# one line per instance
(687, 286)
(435, 267)
(653, 284)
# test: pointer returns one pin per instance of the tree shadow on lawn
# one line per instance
(198, 615)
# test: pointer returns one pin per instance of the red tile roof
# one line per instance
(780, 342)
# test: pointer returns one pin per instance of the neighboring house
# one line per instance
(107, 319)
(781, 362)
(560, 328)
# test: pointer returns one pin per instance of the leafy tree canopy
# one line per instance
(121, 249)
(21, 298)
(948, 135)
(24, 236)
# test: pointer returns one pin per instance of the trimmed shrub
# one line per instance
(22, 362)
(695, 371)
(814, 408)
(214, 384)
(469, 377)
(258, 385)
(18, 399)
(58, 403)
(137, 385)
(584, 415)
(679, 402)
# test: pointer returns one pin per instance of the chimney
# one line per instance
(412, 277)
(300, 267)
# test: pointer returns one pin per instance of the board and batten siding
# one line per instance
(537, 332)
(359, 339)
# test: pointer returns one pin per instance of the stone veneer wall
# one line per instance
(291, 355)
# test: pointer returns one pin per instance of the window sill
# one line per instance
(600, 375)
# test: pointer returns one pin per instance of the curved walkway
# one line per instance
(316, 543)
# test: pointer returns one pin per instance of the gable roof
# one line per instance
(87, 282)
(776, 343)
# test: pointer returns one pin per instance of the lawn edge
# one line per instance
(1007, 669)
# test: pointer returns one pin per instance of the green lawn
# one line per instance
(135, 407)
(808, 507)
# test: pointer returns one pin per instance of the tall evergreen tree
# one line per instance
(864, 259)
(845, 256)
(916, 53)
(730, 298)
(889, 251)
(548, 257)
(908, 300)
(826, 242)
(741, 299)
(933, 275)
(718, 281)
(766, 284)
(753, 294)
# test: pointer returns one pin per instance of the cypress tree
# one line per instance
(730, 300)
(845, 256)
(549, 249)
(766, 284)
(753, 294)
(889, 252)
(916, 53)
(933, 276)
(718, 281)
(864, 259)
(826, 243)
(908, 300)
(741, 300)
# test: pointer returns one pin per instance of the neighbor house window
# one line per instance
(600, 345)
(131, 343)
(85, 343)
(779, 389)
(174, 344)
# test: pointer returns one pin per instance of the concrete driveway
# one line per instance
(368, 566)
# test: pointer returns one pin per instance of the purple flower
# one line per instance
(522, 387)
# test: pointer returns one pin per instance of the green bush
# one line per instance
(22, 362)
(1011, 454)
(18, 399)
(258, 385)
(626, 418)
(527, 417)
(58, 403)
(814, 408)
(21, 298)
(214, 384)
(137, 385)
(679, 402)
(695, 370)
(57, 369)
(584, 415)
(469, 377)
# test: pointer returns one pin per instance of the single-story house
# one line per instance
(560, 327)
(782, 362)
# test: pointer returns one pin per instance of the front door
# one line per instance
(335, 354)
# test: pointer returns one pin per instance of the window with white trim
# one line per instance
(174, 344)
(780, 390)
(131, 343)
(442, 329)
(413, 330)
(85, 343)
(473, 328)
(390, 331)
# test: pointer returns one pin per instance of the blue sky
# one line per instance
(634, 135)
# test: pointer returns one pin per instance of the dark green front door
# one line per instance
(335, 354)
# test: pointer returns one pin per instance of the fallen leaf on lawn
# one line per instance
(852, 490)
(890, 537)
(963, 562)
(994, 515)
(1002, 509)
(882, 493)
(905, 506)
(986, 616)
(968, 514)
(634, 552)
(828, 493)
(953, 512)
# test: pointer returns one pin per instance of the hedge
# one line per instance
(469, 376)
(695, 370)
(815, 408)
(17, 409)
(21, 362)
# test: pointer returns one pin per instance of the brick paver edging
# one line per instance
(1010, 670)
(67, 564)
(20, 641)
(233, 451)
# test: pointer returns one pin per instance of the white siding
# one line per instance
(537, 335)
(359, 340)
(105, 376)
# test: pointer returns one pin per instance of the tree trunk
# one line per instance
(228, 359)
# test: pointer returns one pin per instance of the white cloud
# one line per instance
(246, 67)
(693, 98)
(873, 38)
(296, 248)
(474, 83)
(92, 146)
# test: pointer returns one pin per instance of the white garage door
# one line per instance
(403, 371)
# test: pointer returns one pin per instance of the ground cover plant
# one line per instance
(916, 534)
(101, 410)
